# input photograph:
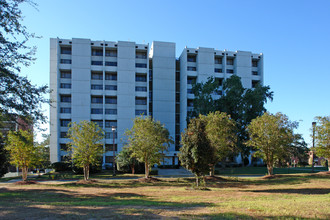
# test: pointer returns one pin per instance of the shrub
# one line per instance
(61, 166)
(153, 172)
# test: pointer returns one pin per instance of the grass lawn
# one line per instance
(287, 196)
(263, 170)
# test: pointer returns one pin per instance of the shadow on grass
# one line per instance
(53, 203)
(305, 191)
(231, 215)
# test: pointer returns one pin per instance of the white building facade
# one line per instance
(111, 83)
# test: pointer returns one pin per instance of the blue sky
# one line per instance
(293, 35)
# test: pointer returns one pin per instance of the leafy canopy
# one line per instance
(272, 136)
(148, 139)
(86, 144)
(322, 136)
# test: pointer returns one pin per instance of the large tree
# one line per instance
(196, 151)
(322, 137)
(23, 152)
(221, 132)
(272, 136)
(86, 147)
(18, 96)
(125, 159)
(148, 139)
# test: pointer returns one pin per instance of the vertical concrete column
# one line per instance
(243, 68)
(53, 84)
(205, 64)
(81, 79)
(163, 84)
(125, 89)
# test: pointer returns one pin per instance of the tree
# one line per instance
(125, 159)
(4, 163)
(272, 136)
(221, 132)
(85, 146)
(195, 153)
(243, 105)
(204, 101)
(148, 139)
(18, 96)
(322, 137)
(23, 153)
(43, 152)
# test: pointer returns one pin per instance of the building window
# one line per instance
(189, 91)
(191, 68)
(98, 122)
(230, 61)
(218, 60)
(63, 147)
(110, 87)
(140, 112)
(109, 135)
(217, 70)
(65, 85)
(255, 83)
(230, 71)
(97, 99)
(110, 76)
(255, 73)
(111, 63)
(66, 50)
(65, 74)
(140, 101)
(97, 76)
(140, 78)
(66, 98)
(65, 110)
(96, 87)
(254, 63)
(141, 65)
(110, 100)
(63, 135)
(191, 80)
(191, 58)
(65, 61)
(97, 63)
(140, 88)
(190, 103)
(97, 111)
(97, 52)
(109, 124)
(109, 147)
(65, 122)
(109, 159)
(141, 55)
(109, 111)
(111, 53)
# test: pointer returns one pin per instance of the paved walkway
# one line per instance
(181, 172)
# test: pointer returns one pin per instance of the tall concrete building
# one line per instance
(111, 83)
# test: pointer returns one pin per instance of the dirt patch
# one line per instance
(29, 182)
(215, 179)
(324, 173)
(86, 182)
(148, 180)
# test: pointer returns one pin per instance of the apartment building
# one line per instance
(111, 83)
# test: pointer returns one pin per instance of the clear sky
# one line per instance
(294, 37)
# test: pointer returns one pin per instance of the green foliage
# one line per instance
(61, 166)
(204, 101)
(148, 139)
(125, 160)
(195, 153)
(221, 132)
(322, 137)
(18, 96)
(22, 151)
(272, 136)
(86, 146)
(43, 151)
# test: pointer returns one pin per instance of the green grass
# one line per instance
(263, 170)
(294, 196)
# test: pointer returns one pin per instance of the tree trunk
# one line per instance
(24, 173)
(86, 172)
(270, 169)
(212, 168)
(133, 168)
(146, 166)
(197, 181)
